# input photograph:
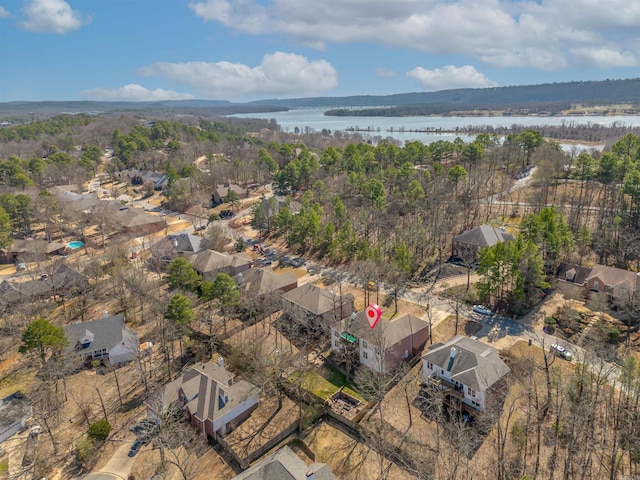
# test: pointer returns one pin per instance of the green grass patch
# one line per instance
(4, 467)
(326, 383)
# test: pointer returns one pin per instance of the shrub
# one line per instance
(613, 335)
(85, 450)
(100, 429)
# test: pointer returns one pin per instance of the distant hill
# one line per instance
(549, 96)
(167, 107)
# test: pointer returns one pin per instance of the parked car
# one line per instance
(560, 351)
(297, 262)
(137, 445)
(265, 261)
(482, 310)
(226, 214)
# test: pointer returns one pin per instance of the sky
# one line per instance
(242, 50)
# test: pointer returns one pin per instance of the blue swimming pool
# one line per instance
(74, 245)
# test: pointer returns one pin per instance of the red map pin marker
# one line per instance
(373, 313)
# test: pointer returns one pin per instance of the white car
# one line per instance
(482, 310)
(560, 351)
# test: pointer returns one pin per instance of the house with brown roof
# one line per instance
(209, 263)
(260, 281)
(615, 285)
(212, 398)
(317, 307)
(63, 281)
(465, 372)
(34, 249)
(223, 189)
(478, 238)
(135, 222)
(384, 347)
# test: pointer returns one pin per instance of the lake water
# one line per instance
(315, 119)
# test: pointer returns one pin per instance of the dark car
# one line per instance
(226, 214)
(137, 445)
(297, 262)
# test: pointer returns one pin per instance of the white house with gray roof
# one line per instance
(465, 371)
(104, 339)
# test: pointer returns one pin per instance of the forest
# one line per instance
(380, 213)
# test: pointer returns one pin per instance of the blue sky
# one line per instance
(241, 50)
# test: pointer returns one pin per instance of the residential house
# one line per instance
(223, 189)
(209, 263)
(62, 282)
(317, 307)
(261, 281)
(173, 246)
(135, 222)
(384, 347)
(465, 371)
(79, 202)
(615, 285)
(15, 411)
(286, 465)
(103, 339)
(139, 177)
(478, 238)
(30, 248)
(211, 397)
(273, 205)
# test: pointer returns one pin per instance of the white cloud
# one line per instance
(544, 34)
(385, 72)
(134, 93)
(279, 73)
(605, 57)
(450, 77)
(4, 13)
(51, 16)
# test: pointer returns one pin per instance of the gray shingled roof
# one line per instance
(210, 260)
(285, 465)
(107, 332)
(393, 331)
(264, 280)
(475, 364)
(483, 236)
(315, 299)
(205, 380)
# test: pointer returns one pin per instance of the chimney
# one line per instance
(309, 475)
(220, 362)
(239, 276)
(105, 314)
(175, 243)
(452, 357)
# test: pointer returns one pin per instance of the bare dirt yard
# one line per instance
(349, 459)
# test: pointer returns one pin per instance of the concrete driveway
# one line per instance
(119, 465)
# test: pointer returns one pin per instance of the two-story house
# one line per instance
(103, 339)
(211, 397)
(316, 308)
(474, 240)
(465, 372)
(384, 347)
(209, 263)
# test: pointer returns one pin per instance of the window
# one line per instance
(430, 366)
(365, 355)
(471, 391)
(364, 344)
(596, 285)
(441, 372)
